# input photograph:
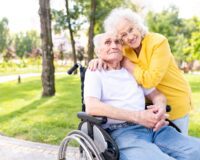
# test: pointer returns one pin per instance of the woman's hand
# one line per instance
(126, 63)
(97, 64)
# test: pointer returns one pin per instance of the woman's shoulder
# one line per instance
(154, 37)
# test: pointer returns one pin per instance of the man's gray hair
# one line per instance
(118, 14)
(97, 41)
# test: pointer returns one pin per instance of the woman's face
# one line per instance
(129, 34)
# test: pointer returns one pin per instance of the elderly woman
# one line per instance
(149, 59)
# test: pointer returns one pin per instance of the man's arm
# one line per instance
(95, 107)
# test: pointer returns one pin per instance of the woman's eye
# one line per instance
(130, 30)
(123, 35)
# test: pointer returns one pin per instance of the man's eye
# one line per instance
(107, 42)
(117, 42)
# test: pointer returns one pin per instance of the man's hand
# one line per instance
(160, 115)
(97, 63)
(150, 119)
(159, 108)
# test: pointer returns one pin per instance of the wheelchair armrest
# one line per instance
(168, 108)
(93, 119)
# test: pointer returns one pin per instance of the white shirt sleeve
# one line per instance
(92, 84)
(148, 91)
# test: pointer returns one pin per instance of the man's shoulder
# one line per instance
(93, 74)
(90, 72)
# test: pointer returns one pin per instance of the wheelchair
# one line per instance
(94, 142)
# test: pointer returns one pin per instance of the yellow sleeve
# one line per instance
(160, 58)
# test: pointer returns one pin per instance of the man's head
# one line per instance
(108, 47)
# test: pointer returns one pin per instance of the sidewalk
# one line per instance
(15, 77)
(15, 149)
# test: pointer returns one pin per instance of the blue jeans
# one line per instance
(182, 124)
(136, 142)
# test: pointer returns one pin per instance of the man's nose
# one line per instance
(114, 45)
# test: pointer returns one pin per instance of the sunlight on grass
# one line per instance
(24, 114)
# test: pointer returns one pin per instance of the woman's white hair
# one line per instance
(118, 14)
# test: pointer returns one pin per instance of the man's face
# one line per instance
(129, 34)
(110, 49)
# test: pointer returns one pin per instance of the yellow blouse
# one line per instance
(156, 67)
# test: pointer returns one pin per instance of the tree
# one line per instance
(48, 79)
(87, 12)
(70, 31)
(4, 34)
(96, 11)
(193, 51)
(26, 43)
(68, 19)
(91, 30)
(183, 34)
(166, 23)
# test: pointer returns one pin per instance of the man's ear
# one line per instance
(97, 51)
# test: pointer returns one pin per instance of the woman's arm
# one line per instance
(158, 66)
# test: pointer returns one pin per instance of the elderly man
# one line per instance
(140, 134)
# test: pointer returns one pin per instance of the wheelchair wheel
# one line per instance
(87, 149)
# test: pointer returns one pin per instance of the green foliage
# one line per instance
(61, 18)
(180, 48)
(183, 34)
(4, 34)
(166, 23)
(102, 10)
(80, 13)
(25, 43)
(193, 51)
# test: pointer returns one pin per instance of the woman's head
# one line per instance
(127, 24)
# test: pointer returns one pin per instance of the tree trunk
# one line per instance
(71, 32)
(48, 79)
(91, 30)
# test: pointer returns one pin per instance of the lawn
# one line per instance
(24, 114)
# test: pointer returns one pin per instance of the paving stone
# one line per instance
(16, 149)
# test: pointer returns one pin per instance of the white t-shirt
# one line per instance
(117, 88)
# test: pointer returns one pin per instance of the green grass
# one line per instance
(194, 81)
(24, 114)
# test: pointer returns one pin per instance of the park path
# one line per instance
(22, 76)
(16, 149)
